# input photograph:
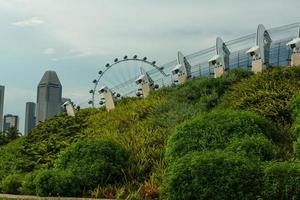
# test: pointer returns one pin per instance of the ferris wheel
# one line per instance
(120, 78)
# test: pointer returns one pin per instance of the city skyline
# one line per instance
(37, 37)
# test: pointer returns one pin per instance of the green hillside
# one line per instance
(233, 137)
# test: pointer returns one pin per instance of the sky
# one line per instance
(76, 37)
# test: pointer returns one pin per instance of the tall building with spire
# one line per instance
(2, 88)
(30, 119)
(49, 96)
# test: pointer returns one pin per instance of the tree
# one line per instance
(9, 135)
(12, 133)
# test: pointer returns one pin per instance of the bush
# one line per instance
(208, 91)
(282, 180)
(212, 175)
(215, 130)
(28, 186)
(267, 94)
(96, 162)
(47, 139)
(13, 160)
(296, 147)
(255, 147)
(56, 183)
(11, 184)
(198, 95)
(294, 108)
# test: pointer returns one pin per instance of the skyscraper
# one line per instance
(30, 118)
(1, 106)
(10, 121)
(49, 96)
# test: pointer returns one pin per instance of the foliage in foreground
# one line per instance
(95, 162)
(9, 135)
(267, 94)
(215, 130)
(142, 127)
(212, 175)
(81, 167)
(256, 146)
(282, 180)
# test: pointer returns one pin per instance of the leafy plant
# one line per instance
(255, 146)
(96, 162)
(267, 94)
(282, 180)
(55, 182)
(215, 130)
(212, 175)
(11, 184)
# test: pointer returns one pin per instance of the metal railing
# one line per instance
(279, 56)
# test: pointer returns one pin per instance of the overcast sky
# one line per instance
(75, 37)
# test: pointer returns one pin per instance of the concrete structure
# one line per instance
(49, 96)
(2, 89)
(219, 71)
(69, 108)
(260, 53)
(108, 98)
(30, 119)
(10, 121)
(220, 62)
(182, 71)
(146, 83)
(294, 45)
(63, 101)
(295, 59)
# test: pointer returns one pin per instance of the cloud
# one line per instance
(49, 51)
(34, 21)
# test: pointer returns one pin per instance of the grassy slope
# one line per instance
(143, 126)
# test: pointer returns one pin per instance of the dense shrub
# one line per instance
(49, 138)
(12, 159)
(267, 94)
(204, 87)
(202, 94)
(282, 180)
(28, 185)
(296, 148)
(255, 146)
(215, 130)
(11, 184)
(95, 161)
(56, 183)
(212, 175)
(294, 108)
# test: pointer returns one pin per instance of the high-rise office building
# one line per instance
(49, 96)
(2, 88)
(10, 121)
(30, 118)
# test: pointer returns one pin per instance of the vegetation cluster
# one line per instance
(234, 137)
